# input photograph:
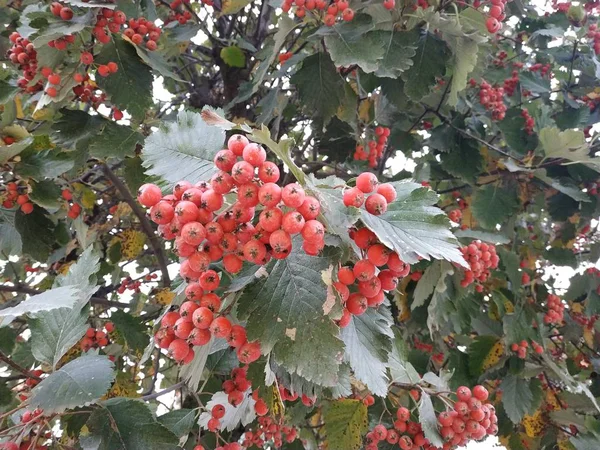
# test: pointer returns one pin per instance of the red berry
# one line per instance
(366, 182)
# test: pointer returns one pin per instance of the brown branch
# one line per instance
(93, 300)
(141, 215)
(6, 359)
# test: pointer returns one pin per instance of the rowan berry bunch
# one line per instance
(32, 436)
(142, 31)
(529, 121)
(455, 215)
(108, 21)
(481, 258)
(496, 16)
(269, 433)
(492, 99)
(23, 53)
(379, 195)
(375, 147)
(73, 208)
(521, 348)
(369, 278)
(322, 9)
(555, 312)
(95, 338)
(17, 195)
(594, 35)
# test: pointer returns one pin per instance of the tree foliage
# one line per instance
(444, 155)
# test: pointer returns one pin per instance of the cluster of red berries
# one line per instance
(181, 15)
(23, 53)
(269, 431)
(74, 209)
(521, 348)
(529, 121)
(188, 216)
(339, 8)
(380, 194)
(54, 80)
(108, 21)
(29, 442)
(141, 30)
(362, 276)
(481, 258)
(197, 320)
(128, 284)
(375, 146)
(556, 309)
(510, 84)
(13, 197)
(496, 16)
(96, 338)
(64, 12)
(103, 70)
(455, 215)
(594, 34)
(492, 99)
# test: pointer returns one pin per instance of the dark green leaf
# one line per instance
(126, 424)
(478, 352)
(494, 204)
(429, 64)
(517, 397)
(132, 330)
(180, 421)
(285, 312)
(37, 233)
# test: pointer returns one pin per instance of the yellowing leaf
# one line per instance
(588, 336)
(364, 109)
(534, 424)
(164, 296)
(401, 299)
(234, 6)
(552, 401)
(132, 243)
(493, 356)
(19, 107)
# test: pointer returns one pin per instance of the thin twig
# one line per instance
(163, 392)
(154, 241)
(6, 359)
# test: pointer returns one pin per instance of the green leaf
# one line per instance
(45, 164)
(561, 257)
(585, 441)
(399, 49)
(126, 424)
(568, 144)
(368, 344)
(130, 88)
(7, 91)
(63, 297)
(285, 313)
(513, 130)
(564, 185)
(320, 86)
(54, 332)
(509, 262)
(233, 56)
(155, 60)
(429, 64)
(7, 152)
(362, 50)
(414, 228)
(337, 216)
(10, 239)
(281, 149)
(493, 204)
(517, 397)
(180, 421)
(426, 285)
(345, 423)
(132, 330)
(535, 83)
(428, 420)
(61, 28)
(484, 236)
(234, 6)
(184, 150)
(80, 382)
(45, 194)
(463, 159)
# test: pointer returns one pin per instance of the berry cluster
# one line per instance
(510, 84)
(339, 8)
(380, 194)
(188, 216)
(363, 275)
(521, 348)
(108, 21)
(492, 99)
(529, 121)
(594, 34)
(141, 30)
(17, 195)
(269, 431)
(22, 53)
(181, 15)
(496, 16)
(64, 12)
(129, 284)
(455, 215)
(96, 338)
(555, 312)
(481, 258)
(197, 321)
(74, 209)
(375, 146)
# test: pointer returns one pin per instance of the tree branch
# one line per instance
(163, 392)
(141, 215)
(4, 358)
